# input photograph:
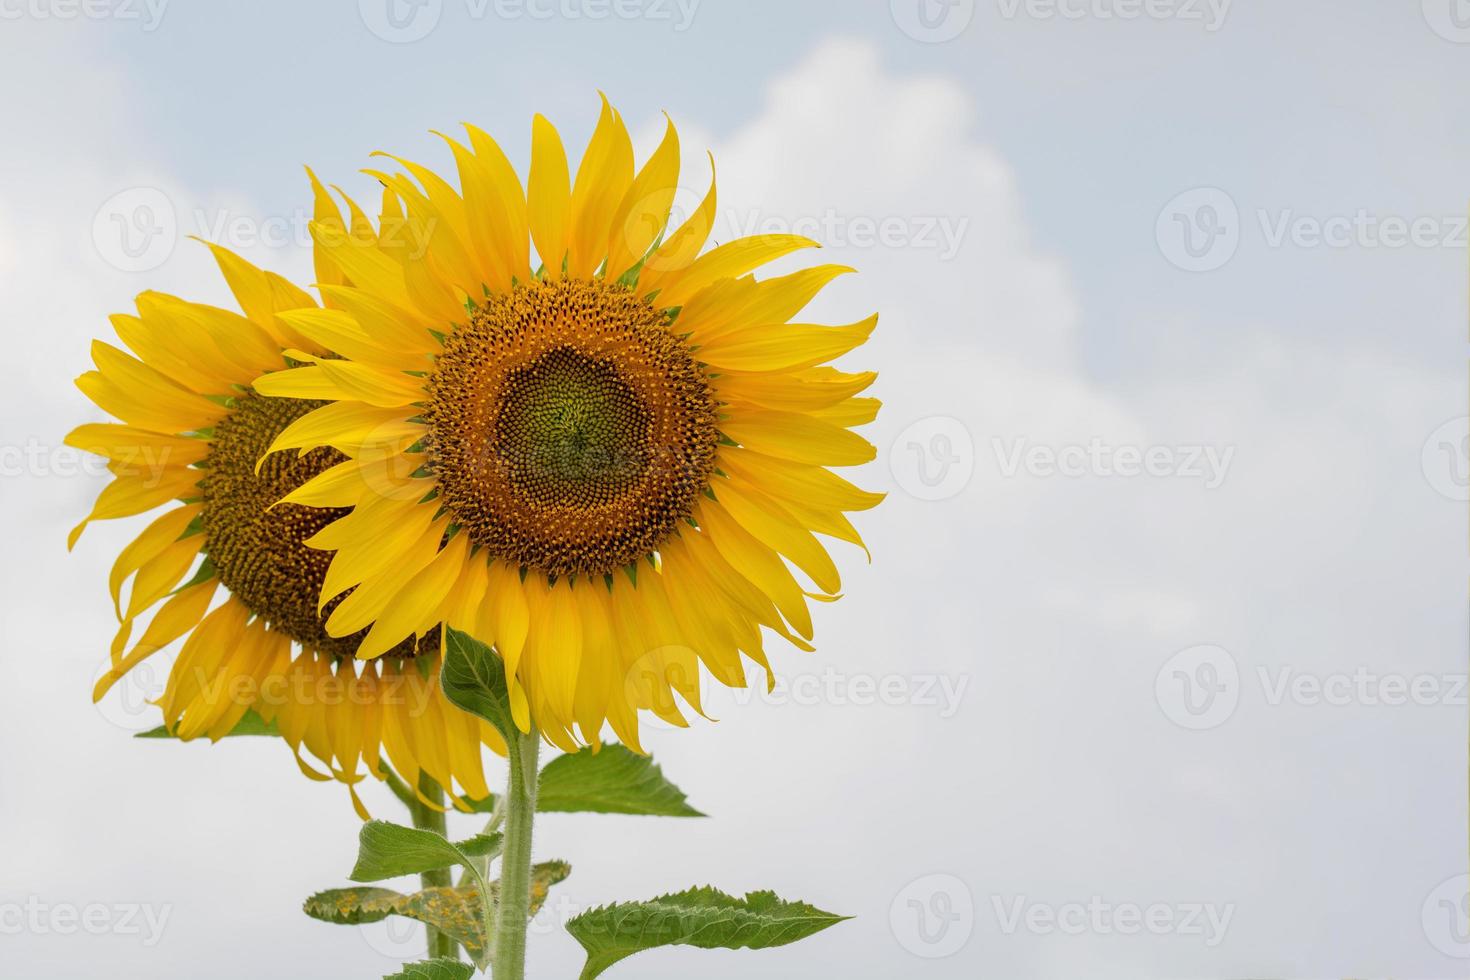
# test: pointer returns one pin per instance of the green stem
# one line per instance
(428, 818)
(514, 911)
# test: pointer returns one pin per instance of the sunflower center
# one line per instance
(259, 551)
(569, 428)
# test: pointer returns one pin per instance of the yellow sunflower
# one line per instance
(192, 437)
(600, 460)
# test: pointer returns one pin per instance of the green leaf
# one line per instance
(473, 677)
(485, 805)
(387, 850)
(702, 917)
(453, 911)
(435, 969)
(249, 724)
(612, 780)
(352, 906)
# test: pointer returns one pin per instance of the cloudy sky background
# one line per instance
(1233, 235)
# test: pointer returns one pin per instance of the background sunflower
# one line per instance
(193, 439)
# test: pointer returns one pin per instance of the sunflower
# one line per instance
(610, 461)
(193, 438)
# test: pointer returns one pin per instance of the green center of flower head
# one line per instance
(570, 430)
(258, 548)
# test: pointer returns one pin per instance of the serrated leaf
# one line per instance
(435, 969)
(611, 780)
(250, 723)
(455, 912)
(473, 679)
(388, 850)
(703, 917)
(352, 906)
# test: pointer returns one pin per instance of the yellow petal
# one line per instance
(418, 605)
(350, 427)
(157, 537)
(682, 247)
(797, 481)
(776, 528)
(137, 450)
(796, 437)
(158, 577)
(644, 210)
(784, 347)
(728, 261)
(129, 495)
(548, 193)
(603, 178)
(757, 563)
(802, 391)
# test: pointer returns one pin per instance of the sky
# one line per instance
(1159, 665)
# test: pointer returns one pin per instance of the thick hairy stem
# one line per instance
(514, 913)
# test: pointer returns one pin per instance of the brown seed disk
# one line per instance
(569, 429)
(259, 552)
